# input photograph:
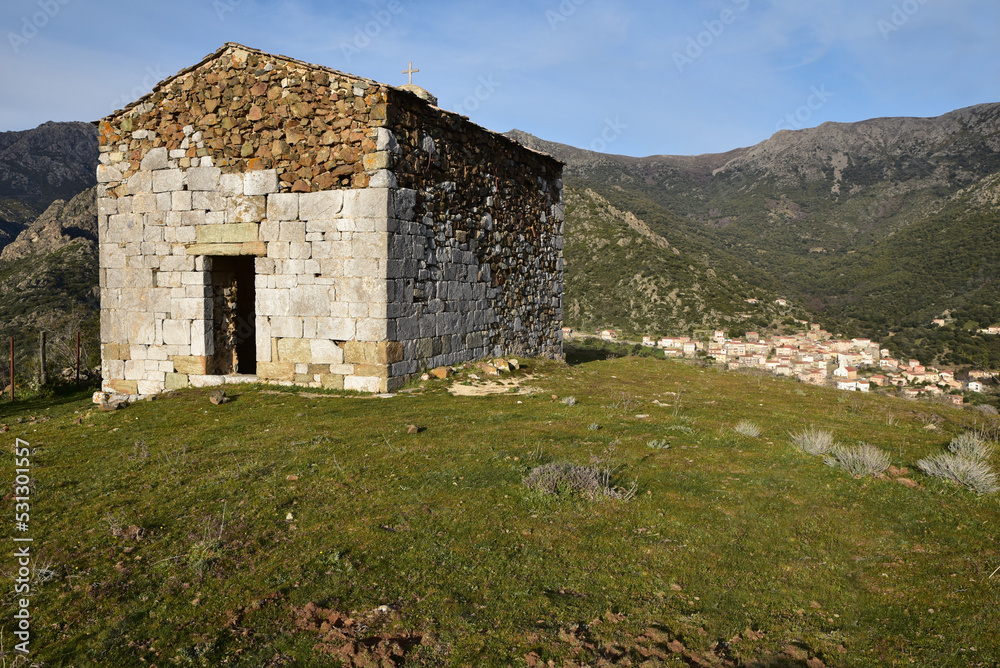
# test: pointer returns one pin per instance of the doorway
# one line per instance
(234, 328)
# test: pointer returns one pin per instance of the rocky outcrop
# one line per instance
(59, 225)
(53, 161)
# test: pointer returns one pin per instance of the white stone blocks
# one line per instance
(168, 180)
(272, 302)
(192, 218)
(264, 266)
(143, 203)
(262, 182)
(135, 369)
(300, 251)
(202, 341)
(366, 203)
(246, 209)
(177, 332)
(204, 178)
(206, 381)
(361, 268)
(292, 231)
(283, 206)
(263, 339)
(286, 327)
(140, 182)
(324, 226)
(310, 300)
(177, 263)
(326, 352)
(209, 201)
(140, 328)
(336, 329)
(284, 282)
(362, 384)
(269, 229)
(180, 201)
(322, 205)
(231, 185)
(190, 309)
(108, 174)
(370, 329)
(383, 179)
(196, 278)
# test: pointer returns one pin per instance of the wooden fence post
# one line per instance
(12, 369)
(78, 359)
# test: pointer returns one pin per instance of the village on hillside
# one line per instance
(817, 358)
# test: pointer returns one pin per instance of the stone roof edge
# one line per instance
(216, 54)
(231, 45)
(498, 135)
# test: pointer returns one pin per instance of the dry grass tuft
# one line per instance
(589, 482)
(973, 474)
(861, 460)
(747, 428)
(971, 445)
(813, 441)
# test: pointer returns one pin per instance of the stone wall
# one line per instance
(492, 213)
(389, 236)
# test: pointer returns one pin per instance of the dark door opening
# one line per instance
(234, 326)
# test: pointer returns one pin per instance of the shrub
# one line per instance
(747, 428)
(861, 460)
(570, 401)
(813, 441)
(589, 482)
(684, 429)
(974, 474)
(594, 426)
(658, 445)
(971, 446)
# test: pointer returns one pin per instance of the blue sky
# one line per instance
(630, 77)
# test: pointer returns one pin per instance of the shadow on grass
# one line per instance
(49, 398)
(582, 351)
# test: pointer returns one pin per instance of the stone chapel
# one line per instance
(264, 219)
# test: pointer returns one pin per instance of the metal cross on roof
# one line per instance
(411, 72)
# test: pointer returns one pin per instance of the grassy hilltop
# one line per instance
(310, 529)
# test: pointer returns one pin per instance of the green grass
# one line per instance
(166, 525)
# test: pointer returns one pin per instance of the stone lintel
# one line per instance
(229, 233)
(258, 248)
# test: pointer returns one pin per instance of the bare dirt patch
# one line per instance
(480, 388)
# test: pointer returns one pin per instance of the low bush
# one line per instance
(747, 428)
(861, 460)
(813, 441)
(971, 446)
(588, 482)
(973, 474)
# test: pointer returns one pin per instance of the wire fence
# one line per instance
(54, 361)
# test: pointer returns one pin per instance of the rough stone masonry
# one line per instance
(266, 219)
